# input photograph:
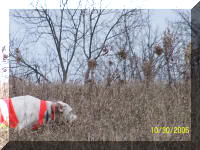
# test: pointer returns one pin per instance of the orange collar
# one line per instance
(53, 110)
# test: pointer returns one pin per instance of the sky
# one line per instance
(159, 17)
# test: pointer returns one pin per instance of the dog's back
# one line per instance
(27, 109)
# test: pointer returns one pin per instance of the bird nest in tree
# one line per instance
(110, 63)
(92, 63)
(17, 50)
(18, 55)
(122, 54)
(158, 50)
(147, 68)
(18, 59)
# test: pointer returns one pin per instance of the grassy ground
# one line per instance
(4, 93)
(3, 137)
(117, 113)
(4, 132)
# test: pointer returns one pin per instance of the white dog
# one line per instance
(28, 111)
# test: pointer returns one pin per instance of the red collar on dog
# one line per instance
(13, 121)
(53, 110)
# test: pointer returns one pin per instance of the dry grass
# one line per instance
(4, 90)
(116, 113)
(3, 131)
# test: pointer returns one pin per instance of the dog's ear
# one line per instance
(59, 107)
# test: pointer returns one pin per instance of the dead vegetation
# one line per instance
(116, 113)
(4, 134)
(3, 137)
(4, 90)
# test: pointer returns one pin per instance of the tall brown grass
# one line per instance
(4, 132)
(124, 112)
(4, 90)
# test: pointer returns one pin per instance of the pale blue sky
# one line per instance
(161, 16)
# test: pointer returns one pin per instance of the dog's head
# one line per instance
(64, 110)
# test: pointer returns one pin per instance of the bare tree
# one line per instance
(60, 26)
(187, 60)
(173, 55)
(98, 31)
(152, 58)
(183, 29)
(122, 46)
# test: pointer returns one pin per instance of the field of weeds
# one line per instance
(124, 112)
(4, 132)
(4, 90)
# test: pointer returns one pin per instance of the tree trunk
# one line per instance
(87, 75)
(169, 73)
